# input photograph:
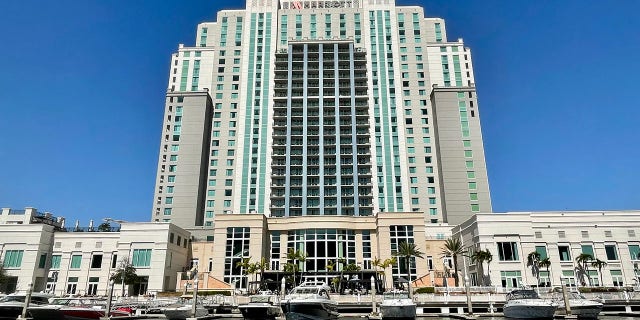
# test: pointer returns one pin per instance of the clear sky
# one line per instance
(82, 88)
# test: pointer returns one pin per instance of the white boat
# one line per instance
(75, 308)
(526, 304)
(11, 305)
(309, 301)
(182, 309)
(261, 306)
(397, 305)
(581, 306)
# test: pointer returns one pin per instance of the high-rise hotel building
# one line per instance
(316, 108)
(318, 125)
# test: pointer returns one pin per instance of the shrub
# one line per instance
(213, 293)
(425, 290)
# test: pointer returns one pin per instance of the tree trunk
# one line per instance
(488, 275)
(600, 272)
(455, 270)
(409, 276)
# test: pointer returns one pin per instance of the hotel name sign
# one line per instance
(299, 5)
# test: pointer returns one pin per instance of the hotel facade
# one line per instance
(37, 248)
(321, 108)
(338, 129)
(303, 124)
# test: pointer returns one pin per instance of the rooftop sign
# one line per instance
(299, 5)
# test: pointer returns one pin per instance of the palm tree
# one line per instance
(296, 257)
(583, 261)
(246, 268)
(480, 257)
(599, 264)
(407, 251)
(488, 257)
(453, 248)
(331, 265)
(533, 261)
(386, 264)
(125, 274)
(341, 265)
(262, 265)
(376, 263)
(302, 258)
(104, 227)
(545, 263)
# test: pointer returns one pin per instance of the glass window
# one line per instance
(76, 261)
(616, 276)
(588, 249)
(565, 254)
(612, 253)
(55, 261)
(141, 258)
(508, 251)
(13, 258)
(634, 252)
(542, 251)
(511, 279)
(569, 278)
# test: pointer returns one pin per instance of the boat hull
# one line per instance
(46, 313)
(72, 313)
(10, 312)
(393, 311)
(259, 311)
(586, 311)
(310, 310)
(183, 314)
(526, 311)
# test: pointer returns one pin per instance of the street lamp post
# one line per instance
(445, 278)
(27, 300)
(636, 273)
(195, 297)
(567, 306)
(374, 312)
(110, 296)
(467, 288)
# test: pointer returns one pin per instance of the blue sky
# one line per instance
(82, 92)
